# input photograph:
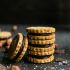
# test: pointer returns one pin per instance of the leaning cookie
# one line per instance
(15, 46)
(41, 42)
(25, 41)
(5, 35)
(40, 29)
(41, 37)
(39, 49)
(45, 60)
(41, 53)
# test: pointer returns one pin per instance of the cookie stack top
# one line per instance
(40, 35)
(40, 30)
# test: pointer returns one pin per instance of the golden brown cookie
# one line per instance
(5, 34)
(24, 49)
(40, 29)
(39, 49)
(41, 42)
(41, 53)
(41, 37)
(15, 45)
(46, 60)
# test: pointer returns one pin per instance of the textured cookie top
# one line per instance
(40, 29)
(5, 34)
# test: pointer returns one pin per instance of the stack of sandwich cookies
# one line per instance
(41, 42)
(17, 50)
(4, 36)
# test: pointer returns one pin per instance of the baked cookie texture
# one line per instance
(41, 43)
(40, 29)
(25, 41)
(5, 34)
(41, 49)
(15, 45)
(41, 53)
(41, 37)
(45, 60)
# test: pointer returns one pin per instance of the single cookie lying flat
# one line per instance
(41, 53)
(40, 29)
(41, 49)
(42, 42)
(5, 35)
(41, 37)
(45, 60)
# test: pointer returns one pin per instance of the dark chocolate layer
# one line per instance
(40, 46)
(39, 57)
(40, 34)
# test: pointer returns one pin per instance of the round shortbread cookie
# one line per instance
(35, 60)
(39, 49)
(25, 41)
(41, 37)
(15, 45)
(42, 42)
(40, 29)
(5, 34)
(41, 53)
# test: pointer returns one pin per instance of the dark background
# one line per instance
(35, 11)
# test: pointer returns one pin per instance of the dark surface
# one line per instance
(62, 38)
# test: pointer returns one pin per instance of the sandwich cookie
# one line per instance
(41, 53)
(41, 36)
(25, 41)
(44, 48)
(41, 42)
(4, 36)
(39, 60)
(15, 46)
(40, 29)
